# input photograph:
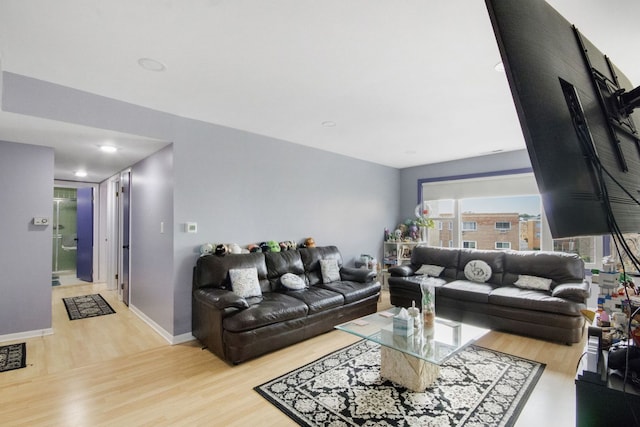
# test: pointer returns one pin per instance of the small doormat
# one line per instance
(13, 356)
(87, 306)
(476, 387)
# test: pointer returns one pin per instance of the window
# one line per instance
(469, 226)
(499, 210)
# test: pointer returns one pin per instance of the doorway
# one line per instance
(118, 232)
(64, 225)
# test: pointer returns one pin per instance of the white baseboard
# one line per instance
(171, 339)
(27, 334)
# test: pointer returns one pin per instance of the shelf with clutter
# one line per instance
(618, 299)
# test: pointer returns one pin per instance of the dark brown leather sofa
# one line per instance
(498, 304)
(237, 329)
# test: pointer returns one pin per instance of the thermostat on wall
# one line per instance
(191, 227)
(40, 220)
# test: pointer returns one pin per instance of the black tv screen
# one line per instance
(576, 112)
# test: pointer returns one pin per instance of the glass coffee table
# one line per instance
(413, 361)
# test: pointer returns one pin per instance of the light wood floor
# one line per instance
(114, 370)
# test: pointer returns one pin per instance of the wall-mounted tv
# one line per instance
(576, 110)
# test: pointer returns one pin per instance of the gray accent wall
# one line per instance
(237, 186)
(26, 191)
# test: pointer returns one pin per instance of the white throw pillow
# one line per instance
(533, 282)
(244, 282)
(293, 282)
(430, 270)
(477, 271)
(330, 270)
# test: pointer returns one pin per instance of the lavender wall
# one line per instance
(239, 187)
(26, 191)
(152, 247)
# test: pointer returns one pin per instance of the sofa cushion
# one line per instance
(560, 267)
(430, 270)
(244, 282)
(573, 291)
(293, 282)
(477, 271)
(311, 259)
(445, 257)
(279, 263)
(352, 291)
(330, 270)
(213, 270)
(317, 299)
(495, 259)
(273, 308)
(533, 282)
(529, 299)
(466, 291)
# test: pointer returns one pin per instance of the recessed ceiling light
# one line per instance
(499, 67)
(108, 148)
(328, 124)
(80, 173)
(151, 64)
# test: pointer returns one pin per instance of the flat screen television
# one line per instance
(576, 112)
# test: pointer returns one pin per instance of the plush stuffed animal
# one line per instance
(206, 249)
(273, 246)
(254, 248)
(221, 250)
(234, 248)
(264, 246)
(309, 242)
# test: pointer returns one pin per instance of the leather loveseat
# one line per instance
(238, 328)
(505, 301)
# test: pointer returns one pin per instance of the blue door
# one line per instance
(84, 261)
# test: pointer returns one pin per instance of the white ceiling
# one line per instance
(406, 82)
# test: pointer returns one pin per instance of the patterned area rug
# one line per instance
(476, 387)
(87, 306)
(13, 356)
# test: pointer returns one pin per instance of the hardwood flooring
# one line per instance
(115, 370)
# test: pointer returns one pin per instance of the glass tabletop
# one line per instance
(435, 346)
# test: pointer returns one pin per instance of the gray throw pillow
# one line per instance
(244, 282)
(330, 271)
(292, 281)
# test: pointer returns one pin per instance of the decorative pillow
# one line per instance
(477, 271)
(533, 282)
(430, 270)
(330, 271)
(293, 282)
(244, 282)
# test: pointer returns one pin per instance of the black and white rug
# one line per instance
(476, 387)
(13, 356)
(86, 306)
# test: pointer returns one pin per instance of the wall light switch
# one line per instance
(191, 227)
(161, 227)
(40, 220)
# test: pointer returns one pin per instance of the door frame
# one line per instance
(114, 235)
(97, 277)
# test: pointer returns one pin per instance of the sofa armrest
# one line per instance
(221, 298)
(402, 270)
(578, 292)
(361, 275)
